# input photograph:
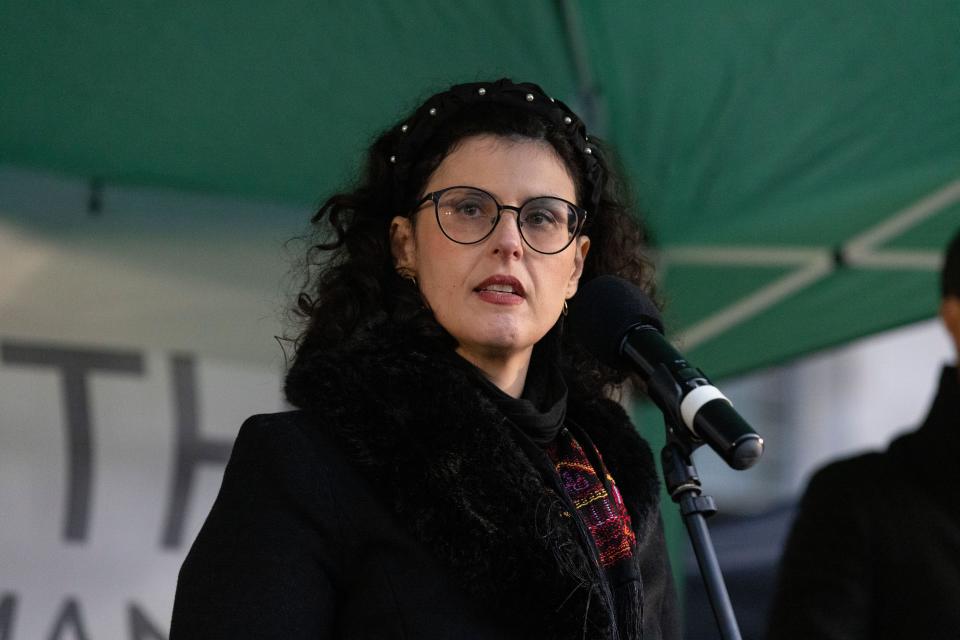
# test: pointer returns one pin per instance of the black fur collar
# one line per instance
(445, 460)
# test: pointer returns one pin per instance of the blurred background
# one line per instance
(798, 165)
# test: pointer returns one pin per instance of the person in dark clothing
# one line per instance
(455, 466)
(875, 549)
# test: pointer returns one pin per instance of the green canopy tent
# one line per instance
(797, 164)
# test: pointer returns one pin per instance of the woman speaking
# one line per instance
(455, 467)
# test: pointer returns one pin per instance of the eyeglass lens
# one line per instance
(469, 215)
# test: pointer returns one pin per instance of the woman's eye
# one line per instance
(540, 218)
(469, 209)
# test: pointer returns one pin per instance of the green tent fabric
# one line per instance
(797, 163)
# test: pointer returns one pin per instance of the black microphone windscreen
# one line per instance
(604, 310)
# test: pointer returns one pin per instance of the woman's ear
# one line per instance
(582, 247)
(403, 245)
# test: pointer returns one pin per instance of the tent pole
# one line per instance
(588, 94)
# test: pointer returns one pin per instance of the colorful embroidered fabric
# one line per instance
(596, 499)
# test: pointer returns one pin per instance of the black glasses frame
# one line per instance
(434, 196)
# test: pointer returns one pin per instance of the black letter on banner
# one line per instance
(69, 615)
(191, 449)
(75, 365)
(140, 626)
(8, 608)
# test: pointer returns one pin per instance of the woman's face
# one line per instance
(463, 284)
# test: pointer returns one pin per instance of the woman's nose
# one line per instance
(506, 237)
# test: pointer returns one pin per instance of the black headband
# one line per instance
(431, 115)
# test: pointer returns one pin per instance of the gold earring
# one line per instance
(565, 308)
(406, 274)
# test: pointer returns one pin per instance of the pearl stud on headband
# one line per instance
(431, 116)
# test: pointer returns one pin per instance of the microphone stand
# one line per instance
(683, 485)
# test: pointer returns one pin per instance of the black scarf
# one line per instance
(540, 412)
(539, 416)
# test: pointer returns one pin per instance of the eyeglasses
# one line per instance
(468, 215)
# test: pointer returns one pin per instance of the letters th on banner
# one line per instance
(110, 461)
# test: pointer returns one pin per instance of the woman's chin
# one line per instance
(502, 336)
(496, 346)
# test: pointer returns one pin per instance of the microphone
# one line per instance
(621, 326)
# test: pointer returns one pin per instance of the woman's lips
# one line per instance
(501, 290)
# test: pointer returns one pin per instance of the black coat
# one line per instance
(397, 504)
(875, 549)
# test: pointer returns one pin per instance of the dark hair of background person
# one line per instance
(349, 277)
(950, 276)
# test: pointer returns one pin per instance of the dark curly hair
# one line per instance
(350, 277)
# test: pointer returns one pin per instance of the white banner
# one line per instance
(110, 461)
(135, 337)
